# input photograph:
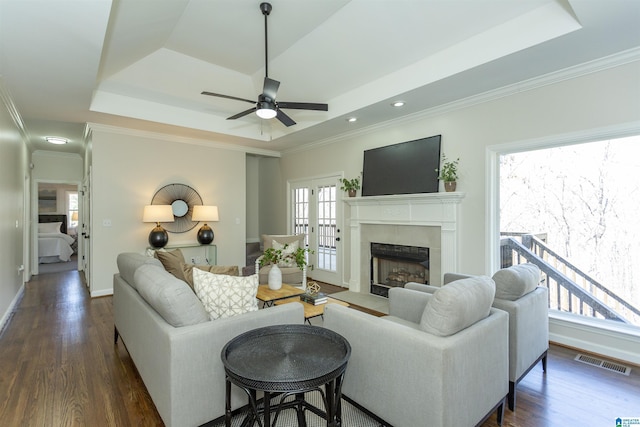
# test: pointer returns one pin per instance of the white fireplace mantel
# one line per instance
(428, 210)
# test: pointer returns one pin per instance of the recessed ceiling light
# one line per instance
(56, 140)
(352, 119)
(398, 103)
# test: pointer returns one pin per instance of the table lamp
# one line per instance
(205, 213)
(158, 237)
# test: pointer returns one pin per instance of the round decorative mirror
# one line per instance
(182, 199)
(180, 208)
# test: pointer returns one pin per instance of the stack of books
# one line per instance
(314, 299)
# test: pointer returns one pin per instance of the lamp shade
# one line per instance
(74, 216)
(157, 213)
(205, 213)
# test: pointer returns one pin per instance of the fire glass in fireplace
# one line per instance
(395, 265)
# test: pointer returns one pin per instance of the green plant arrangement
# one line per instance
(350, 185)
(275, 256)
(448, 172)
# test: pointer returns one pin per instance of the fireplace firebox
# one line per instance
(395, 265)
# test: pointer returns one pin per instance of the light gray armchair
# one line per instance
(517, 293)
(410, 377)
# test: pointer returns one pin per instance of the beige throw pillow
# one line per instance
(187, 270)
(171, 261)
(267, 239)
(226, 296)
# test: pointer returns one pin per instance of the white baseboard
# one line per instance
(101, 293)
(5, 316)
(612, 339)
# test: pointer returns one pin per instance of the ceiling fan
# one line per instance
(266, 107)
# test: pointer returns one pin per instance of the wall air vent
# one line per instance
(604, 364)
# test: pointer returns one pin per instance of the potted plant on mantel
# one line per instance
(448, 173)
(350, 185)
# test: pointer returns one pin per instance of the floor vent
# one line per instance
(604, 364)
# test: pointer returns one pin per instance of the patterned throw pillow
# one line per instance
(226, 296)
(288, 259)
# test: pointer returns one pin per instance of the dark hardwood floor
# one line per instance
(59, 367)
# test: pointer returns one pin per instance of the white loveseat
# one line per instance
(177, 353)
(410, 377)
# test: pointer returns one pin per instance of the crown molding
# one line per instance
(92, 127)
(7, 101)
(601, 64)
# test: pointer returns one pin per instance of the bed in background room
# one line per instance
(54, 244)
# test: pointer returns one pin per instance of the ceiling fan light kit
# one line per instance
(266, 107)
(265, 110)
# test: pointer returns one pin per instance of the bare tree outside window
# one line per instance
(586, 199)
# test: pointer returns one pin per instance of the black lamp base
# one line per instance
(158, 238)
(205, 235)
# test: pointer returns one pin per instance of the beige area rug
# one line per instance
(371, 302)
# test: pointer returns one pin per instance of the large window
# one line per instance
(576, 209)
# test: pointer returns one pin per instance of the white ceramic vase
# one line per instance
(275, 277)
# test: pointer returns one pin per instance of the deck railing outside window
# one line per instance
(570, 289)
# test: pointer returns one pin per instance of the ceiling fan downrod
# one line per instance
(266, 10)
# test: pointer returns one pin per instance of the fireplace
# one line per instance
(394, 265)
(425, 220)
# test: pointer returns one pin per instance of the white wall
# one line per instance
(273, 218)
(253, 199)
(13, 175)
(50, 166)
(600, 99)
(127, 170)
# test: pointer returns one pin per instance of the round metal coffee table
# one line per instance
(287, 360)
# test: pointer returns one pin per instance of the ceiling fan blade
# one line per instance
(227, 96)
(286, 120)
(304, 106)
(244, 113)
(270, 88)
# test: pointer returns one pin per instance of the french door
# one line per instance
(316, 212)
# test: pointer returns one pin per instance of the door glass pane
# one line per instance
(301, 212)
(326, 251)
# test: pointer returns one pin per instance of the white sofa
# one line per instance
(180, 365)
(410, 377)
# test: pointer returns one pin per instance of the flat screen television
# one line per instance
(404, 168)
